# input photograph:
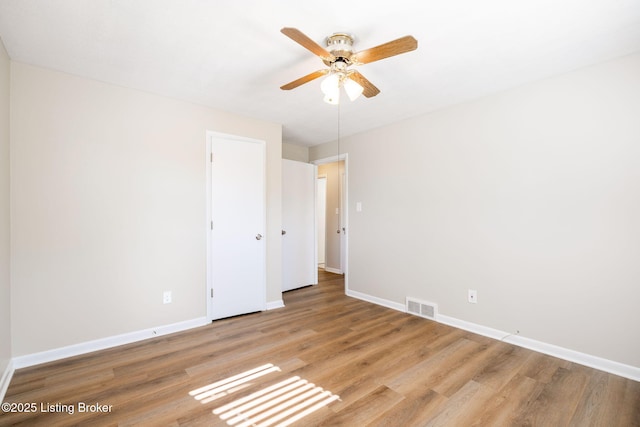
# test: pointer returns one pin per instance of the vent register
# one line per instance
(425, 309)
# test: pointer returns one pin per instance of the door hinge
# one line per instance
(212, 225)
(211, 158)
(211, 292)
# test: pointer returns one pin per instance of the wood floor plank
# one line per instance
(324, 359)
(596, 406)
(434, 369)
(557, 402)
(463, 407)
(541, 367)
(416, 409)
(628, 408)
(509, 402)
(506, 361)
(363, 411)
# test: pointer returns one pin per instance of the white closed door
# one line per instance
(299, 259)
(237, 245)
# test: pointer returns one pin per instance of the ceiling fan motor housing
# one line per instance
(340, 45)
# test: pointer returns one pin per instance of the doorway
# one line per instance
(333, 176)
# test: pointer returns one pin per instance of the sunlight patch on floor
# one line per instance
(279, 404)
(230, 385)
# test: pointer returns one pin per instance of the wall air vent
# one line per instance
(428, 310)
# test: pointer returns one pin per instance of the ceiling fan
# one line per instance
(339, 57)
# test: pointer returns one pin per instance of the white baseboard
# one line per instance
(103, 343)
(589, 360)
(472, 327)
(6, 379)
(606, 365)
(272, 305)
(376, 300)
(333, 270)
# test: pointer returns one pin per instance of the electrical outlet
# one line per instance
(166, 297)
(472, 296)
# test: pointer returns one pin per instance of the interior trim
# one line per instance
(104, 343)
(6, 379)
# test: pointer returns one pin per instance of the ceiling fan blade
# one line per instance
(300, 38)
(369, 89)
(392, 48)
(306, 79)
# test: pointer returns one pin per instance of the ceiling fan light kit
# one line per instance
(353, 89)
(339, 77)
(330, 86)
(339, 56)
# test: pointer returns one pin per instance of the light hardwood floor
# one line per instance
(325, 359)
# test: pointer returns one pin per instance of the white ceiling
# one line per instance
(231, 54)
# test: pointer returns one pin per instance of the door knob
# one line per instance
(338, 231)
(258, 236)
(284, 232)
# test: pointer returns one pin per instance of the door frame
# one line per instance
(345, 209)
(210, 135)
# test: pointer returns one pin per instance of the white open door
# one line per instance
(343, 223)
(299, 261)
(237, 255)
(321, 219)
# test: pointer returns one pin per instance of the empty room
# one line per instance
(272, 213)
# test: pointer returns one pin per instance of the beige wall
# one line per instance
(5, 294)
(108, 202)
(295, 152)
(531, 197)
